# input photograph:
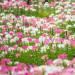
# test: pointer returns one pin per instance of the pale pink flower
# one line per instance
(56, 73)
(59, 40)
(47, 41)
(23, 4)
(18, 55)
(61, 16)
(51, 20)
(52, 4)
(72, 42)
(73, 4)
(49, 62)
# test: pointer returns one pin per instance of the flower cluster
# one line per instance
(52, 67)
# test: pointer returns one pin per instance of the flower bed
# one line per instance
(32, 45)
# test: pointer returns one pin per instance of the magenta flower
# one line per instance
(24, 47)
(5, 69)
(19, 34)
(62, 56)
(29, 39)
(11, 32)
(5, 61)
(5, 48)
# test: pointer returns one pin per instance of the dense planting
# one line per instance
(37, 39)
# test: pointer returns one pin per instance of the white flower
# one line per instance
(68, 26)
(67, 62)
(52, 69)
(17, 24)
(32, 9)
(3, 17)
(16, 38)
(43, 49)
(16, 62)
(9, 24)
(41, 39)
(2, 14)
(61, 45)
(57, 61)
(58, 11)
(25, 40)
(8, 36)
(46, 4)
(30, 47)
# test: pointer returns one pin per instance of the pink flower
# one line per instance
(5, 48)
(34, 47)
(36, 40)
(4, 27)
(19, 41)
(51, 20)
(62, 0)
(73, 4)
(57, 73)
(47, 41)
(61, 16)
(20, 34)
(23, 4)
(28, 73)
(29, 39)
(52, 4)
(6, 5)
(18, 55)
(15, 47)
(20, 67)
(69, 71)
(73, 11)
(17, 0)
(72, 61)
(11, 32)
(5, 69)
(72, 42)
(62, 56)
(24, 47)
(59, 40)
(3, 31)
(49, 62)
(5, 61)
(58, 30)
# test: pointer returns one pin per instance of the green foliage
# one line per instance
(35, 57)
(38, 13)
